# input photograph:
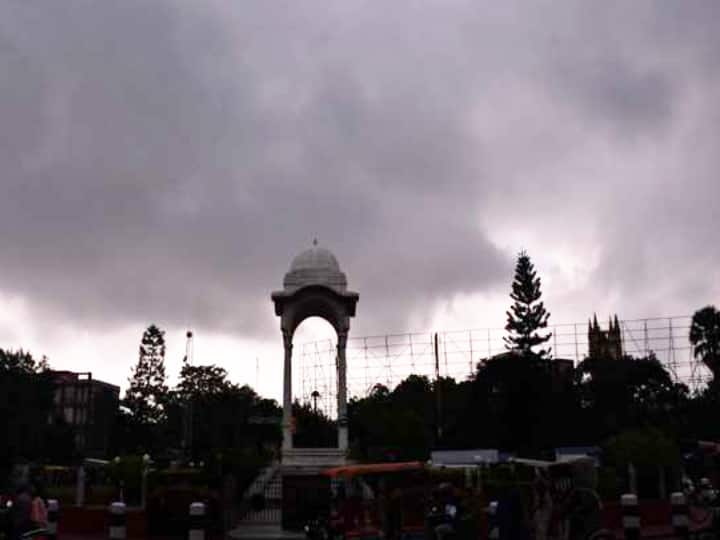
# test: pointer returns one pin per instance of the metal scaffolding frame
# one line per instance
(388, 359)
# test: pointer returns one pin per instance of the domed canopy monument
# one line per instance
(315, 287)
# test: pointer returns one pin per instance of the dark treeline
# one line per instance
(519, 403)
(523, 401)
(203, 417)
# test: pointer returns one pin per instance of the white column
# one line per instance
(342, 392)
(287, 392)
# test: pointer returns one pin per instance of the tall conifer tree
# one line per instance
(527, 315)
(147, 392)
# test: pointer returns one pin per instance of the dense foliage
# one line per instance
(705, 337)
(147, 391)
(203, 416)
(520, 401)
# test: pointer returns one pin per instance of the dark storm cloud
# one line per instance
(628, 100)
(166, 160)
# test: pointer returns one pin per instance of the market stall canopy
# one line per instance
(349, 471)
(96, 462)
(541, 464)
(535, 463)
(711, 447)
(464, 458)
(572, 453)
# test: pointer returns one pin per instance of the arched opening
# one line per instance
(315, 384)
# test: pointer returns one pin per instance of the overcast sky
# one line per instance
(164, 161)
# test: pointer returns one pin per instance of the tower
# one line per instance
(605, 343)
(188, 410)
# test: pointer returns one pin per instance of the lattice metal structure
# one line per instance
(389, 359)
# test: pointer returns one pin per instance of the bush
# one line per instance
(647, 447)
(609, 484)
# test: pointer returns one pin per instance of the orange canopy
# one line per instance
(349, 471)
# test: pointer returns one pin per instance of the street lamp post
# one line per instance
(80, 486)
(315, 396)
(145, 469)
(121, 494)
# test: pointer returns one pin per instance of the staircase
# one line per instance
(261, 480)
(264, 523)
(261, 515)
(266, 489)
(262, 500)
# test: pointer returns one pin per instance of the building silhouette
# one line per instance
(605, 343)
(88, 406)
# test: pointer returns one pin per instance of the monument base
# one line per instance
(310, 459)
(306, 491)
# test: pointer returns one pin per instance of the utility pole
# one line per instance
(438, 395)
(188, 416)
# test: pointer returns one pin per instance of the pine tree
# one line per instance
(527, 315)
(147, 392)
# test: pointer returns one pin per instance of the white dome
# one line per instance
(315, 258)
(315, 266)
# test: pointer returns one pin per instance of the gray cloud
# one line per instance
(166, 160)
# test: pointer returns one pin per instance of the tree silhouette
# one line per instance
(202, 381)
(146, 395)
(393, 425)
(627, 393)
(527, 315)
(313, 428)
(26, 403)
(513, 398)
(705, 338)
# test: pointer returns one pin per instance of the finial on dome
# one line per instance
(314, 241)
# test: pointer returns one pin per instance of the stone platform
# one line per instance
(309, 459)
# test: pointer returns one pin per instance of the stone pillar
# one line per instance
(287, 392)
(80, 487)
(631, 516)
(632, 479)
(680, 517)
(662, 482)
(342, 392)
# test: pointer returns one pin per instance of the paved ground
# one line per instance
(70, 536)
(264, 532)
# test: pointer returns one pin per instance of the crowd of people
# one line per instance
(25, 514)
(547, 513)
(519, 512)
